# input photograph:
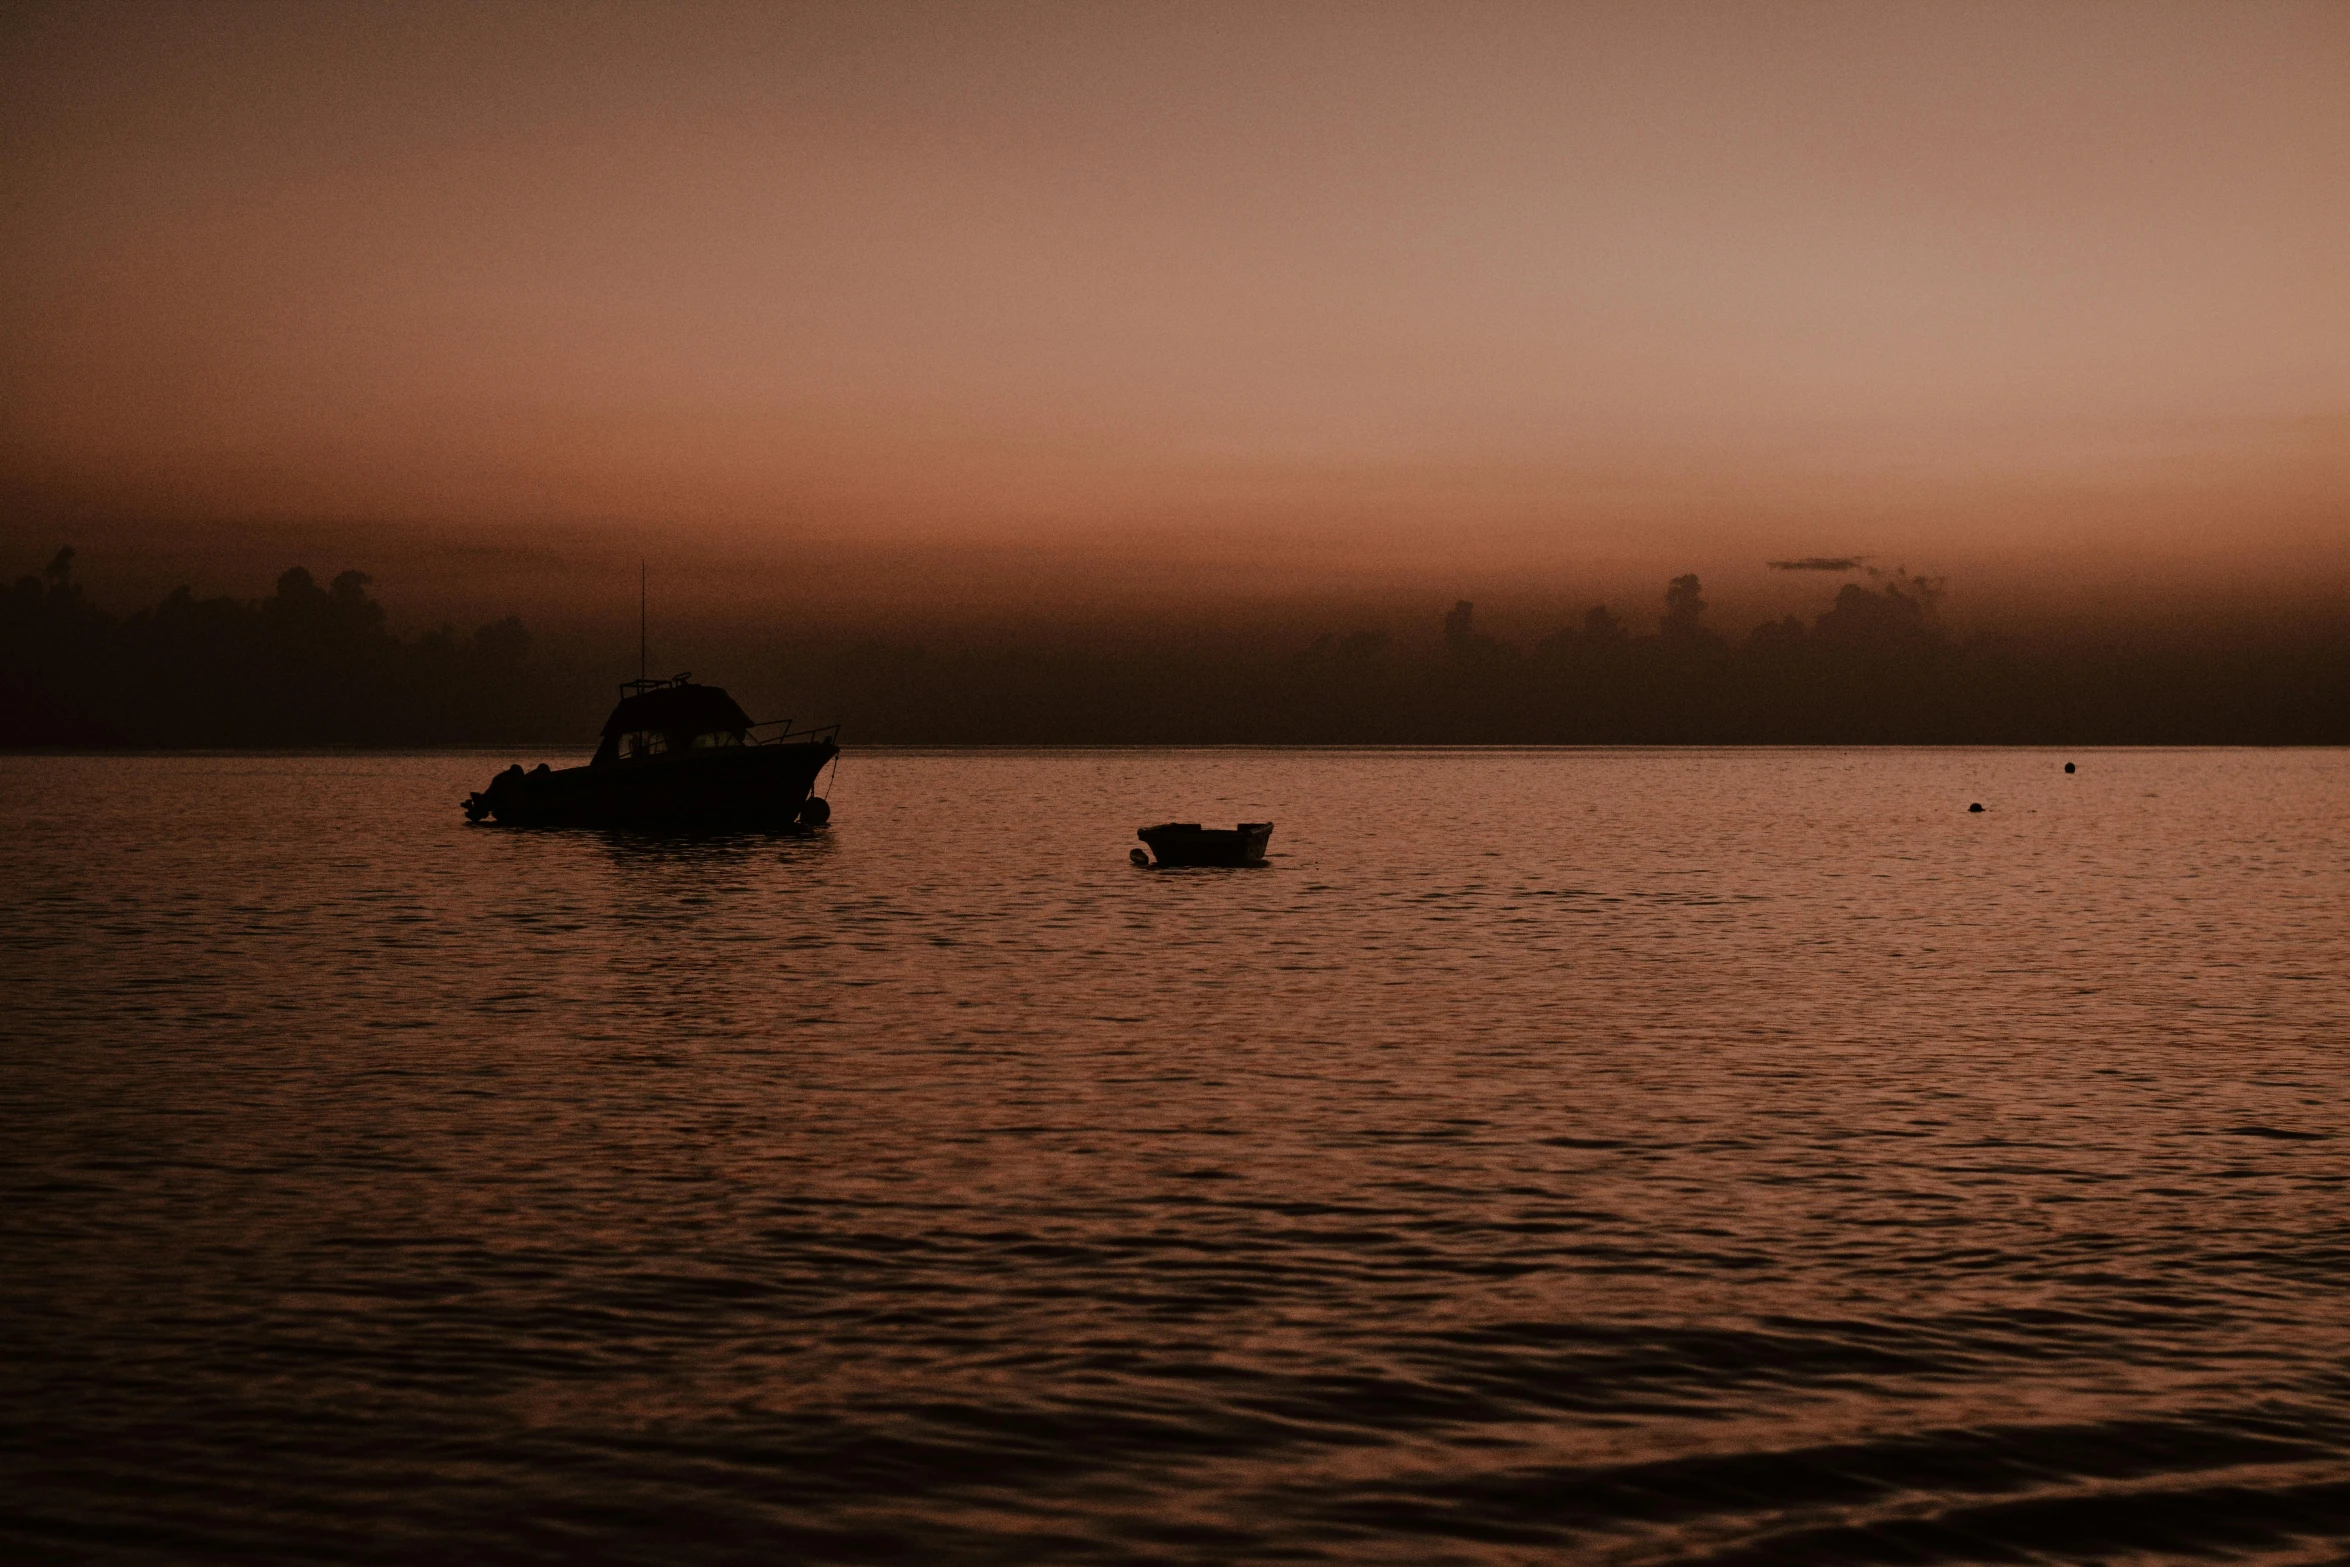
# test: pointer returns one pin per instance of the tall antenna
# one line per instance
(640, 620)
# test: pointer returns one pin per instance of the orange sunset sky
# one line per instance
(1467, 294)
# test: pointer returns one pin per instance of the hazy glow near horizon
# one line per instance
(1351, 277)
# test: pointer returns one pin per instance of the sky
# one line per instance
(1022, 300)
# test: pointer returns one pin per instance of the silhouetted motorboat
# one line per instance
(674, 754)
(1188, 843)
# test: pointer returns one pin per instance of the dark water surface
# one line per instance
(1575, 1156)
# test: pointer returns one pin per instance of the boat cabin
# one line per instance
(670, 718)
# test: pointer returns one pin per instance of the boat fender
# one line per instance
(816, 812)
(1139, 858)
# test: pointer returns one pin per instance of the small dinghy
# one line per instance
(1188, 843)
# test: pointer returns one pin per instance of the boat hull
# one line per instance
(758, 786)
(1188, 843)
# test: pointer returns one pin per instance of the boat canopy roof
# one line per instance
(675, 707)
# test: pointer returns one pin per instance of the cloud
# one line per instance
(1818, 563)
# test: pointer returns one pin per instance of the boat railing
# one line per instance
(785, 734)
(640, 687)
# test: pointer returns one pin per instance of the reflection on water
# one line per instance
(1608, 1156)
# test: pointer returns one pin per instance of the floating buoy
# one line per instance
(1978, 805)
(2068, 767)
(1139, 858)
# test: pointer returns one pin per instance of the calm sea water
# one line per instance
(1589, 1156)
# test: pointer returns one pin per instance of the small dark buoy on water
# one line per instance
(1978, 805)
(2068, 767)
(1139, 857)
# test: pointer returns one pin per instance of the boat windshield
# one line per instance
(643, 742)
(718, 737)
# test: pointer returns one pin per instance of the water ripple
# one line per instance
(1639, 1157)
